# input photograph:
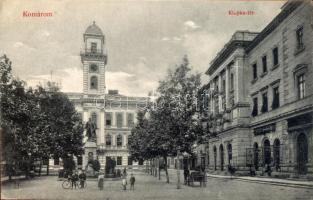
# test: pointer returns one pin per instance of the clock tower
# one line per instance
(94, 60)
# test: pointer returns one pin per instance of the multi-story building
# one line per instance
(114, 114)
(260, 96)
(227, 111)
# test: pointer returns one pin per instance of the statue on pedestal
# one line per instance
(91, 128)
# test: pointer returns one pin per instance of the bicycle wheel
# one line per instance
(66, 184)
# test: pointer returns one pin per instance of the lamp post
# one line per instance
(178, 170)
(29, 163)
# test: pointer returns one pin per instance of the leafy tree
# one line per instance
(172, 125)
(36, 123)
(69, 164)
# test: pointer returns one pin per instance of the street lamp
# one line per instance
(177, 167)
(29, 163)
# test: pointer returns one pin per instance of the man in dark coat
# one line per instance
(132, 182)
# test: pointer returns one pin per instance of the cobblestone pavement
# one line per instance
(149, 187)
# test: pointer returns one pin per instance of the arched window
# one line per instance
(230, 153)
(108, 140)
(215, 155)
(267, 152)
(119, 141)
(222, 157)
(94, 82)
(93, 68)
(256, 155)
(277, 154)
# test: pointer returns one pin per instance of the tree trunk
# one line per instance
(178, 170)
(40, 165)
(166, 171)
(151, 167)
(159, 167)
(48, 167)
(155, 168)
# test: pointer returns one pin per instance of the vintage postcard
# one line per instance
(156, 99)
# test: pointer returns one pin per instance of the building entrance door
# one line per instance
(215, 155)
(267, 152)
(302, 153)
(222, 157)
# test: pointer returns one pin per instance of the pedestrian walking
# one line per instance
(124, 172)
(100, 181)
(82, 178)
(252, 170)
(132, 182)
(124, 183)
(74, 179)
(186, 175)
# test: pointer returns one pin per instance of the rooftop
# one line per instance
(93, 30)
(238, 39)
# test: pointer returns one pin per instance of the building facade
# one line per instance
(113, 114)
(260, 97)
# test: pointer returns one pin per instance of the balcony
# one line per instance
(94, 54)
(104, 148)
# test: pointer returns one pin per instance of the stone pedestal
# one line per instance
(90, 153)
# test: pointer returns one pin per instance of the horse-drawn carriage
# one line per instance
(196, 176)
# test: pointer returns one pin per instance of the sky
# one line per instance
(143, 38)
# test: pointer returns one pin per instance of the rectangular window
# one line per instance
(130, 160)
(93, 47)
(216, 106)
(119, 140)
(45, 161)
(108, 119)
(79, 160)
(223, 85)
(216, 84)
(299, 34)
(254, 71)
(275, 103)
(119, 160)
(231, 81)
(301, 86)
(108, 140)
(130, 119)
(265, 103)
(255, 107)
(275, 56)
(56, 161)
(119, 120)
(223, 102)
(264, 64)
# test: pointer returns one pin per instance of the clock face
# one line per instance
(93, 68)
